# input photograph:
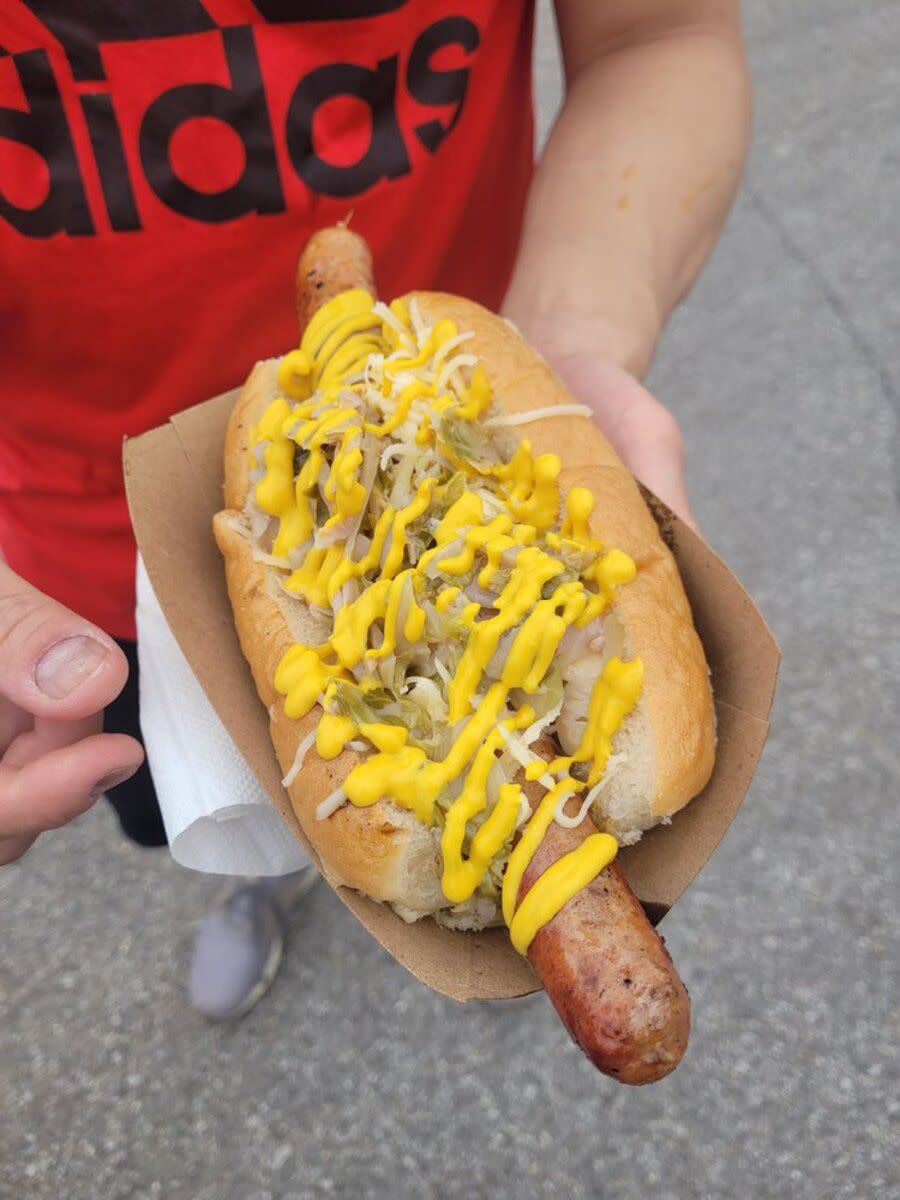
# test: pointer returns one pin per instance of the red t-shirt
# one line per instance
(160, 166)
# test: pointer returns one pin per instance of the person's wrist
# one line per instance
(568, 333)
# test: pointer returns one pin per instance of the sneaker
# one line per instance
(239, 944)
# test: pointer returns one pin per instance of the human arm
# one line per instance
(627, 202)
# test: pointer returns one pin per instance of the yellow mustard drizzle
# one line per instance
(532, 836)
(477, 396)
(333, 733)
(424, 435)
(348, 345)
(615, 694)
(534, 497)
(579, 506)
(462, 876)
(301, 677)
(518, 597)
(410, 779)
(404, 517)
(293, 374)
(387, 738)
(556, 886)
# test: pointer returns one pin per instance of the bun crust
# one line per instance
(669, 739)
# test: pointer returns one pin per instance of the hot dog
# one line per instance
(463, 636)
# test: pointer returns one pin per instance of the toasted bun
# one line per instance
(668, 740)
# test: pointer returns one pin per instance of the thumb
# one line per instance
(660, 468)
(649, 441)
(53, 663)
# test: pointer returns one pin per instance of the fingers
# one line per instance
(653, 450)
(13, 848)
(46, 734)
(13, 721)
(57, 787)
(53, 789)
(53, 663)
(643, 433)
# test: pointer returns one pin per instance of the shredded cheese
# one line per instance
(380, 309)
(523, 756)
(299, 758)
(331, 804)
(524, 810)
(420, 329)
(534, 731)
(451, 344)
(454, 364)
(270, 560)
(613, 763)
(443, 672)
(537, 414)
(571, 822)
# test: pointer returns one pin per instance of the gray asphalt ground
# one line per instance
(353, 1080)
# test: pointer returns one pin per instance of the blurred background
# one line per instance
(351, 1079)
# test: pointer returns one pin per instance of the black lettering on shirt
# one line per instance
(283, 12)
(243, 107)
(385, 156)
(44, 128)
(433, 87)
(106, 139)
(82, 25)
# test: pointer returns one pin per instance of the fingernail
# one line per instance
(113, 780)
(66, 666)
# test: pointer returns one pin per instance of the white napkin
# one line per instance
(216, 815)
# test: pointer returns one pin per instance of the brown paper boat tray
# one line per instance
(174, 482)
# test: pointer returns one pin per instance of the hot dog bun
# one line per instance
(669, 738)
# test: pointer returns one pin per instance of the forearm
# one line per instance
(631, 193)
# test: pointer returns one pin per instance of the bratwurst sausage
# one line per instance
(607, 971)
(333, 260)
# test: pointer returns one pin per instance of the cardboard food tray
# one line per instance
(173, 477)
